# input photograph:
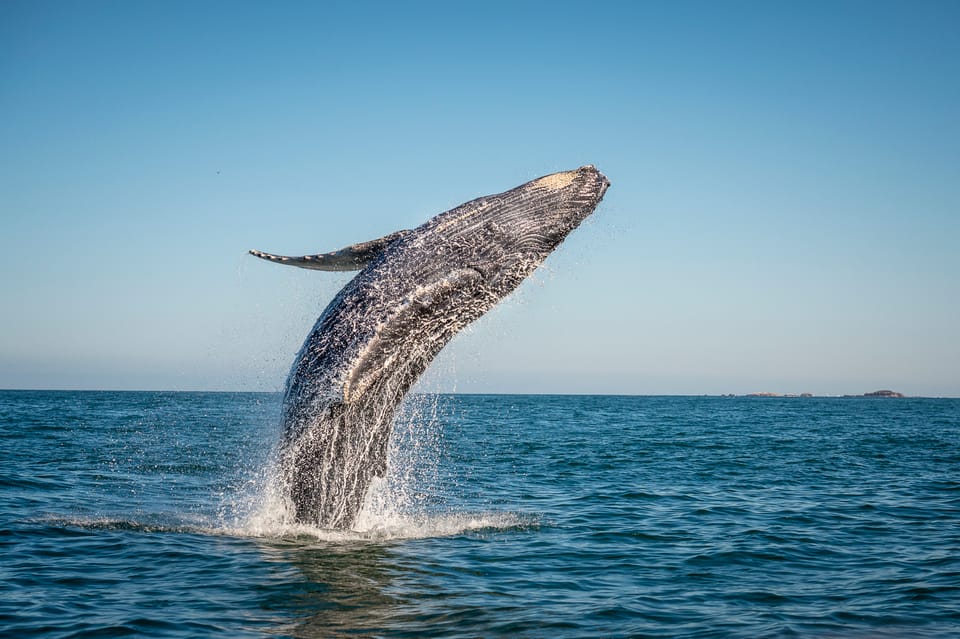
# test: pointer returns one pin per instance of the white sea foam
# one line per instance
(373, 528)
(386, 515)
(397, 527)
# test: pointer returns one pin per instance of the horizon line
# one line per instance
(751, 395)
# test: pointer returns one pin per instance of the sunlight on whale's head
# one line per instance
(506, 236)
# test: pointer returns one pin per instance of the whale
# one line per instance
(415, 290)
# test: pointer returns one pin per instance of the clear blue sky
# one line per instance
(784, 215)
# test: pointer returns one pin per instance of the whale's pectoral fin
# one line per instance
(351, 258)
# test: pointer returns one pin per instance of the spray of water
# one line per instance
(403, 504)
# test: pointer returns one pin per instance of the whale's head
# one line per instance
(540, 214)
(504, 237)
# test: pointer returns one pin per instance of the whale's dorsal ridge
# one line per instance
(351, 258)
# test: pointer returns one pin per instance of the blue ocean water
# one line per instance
(149, 514)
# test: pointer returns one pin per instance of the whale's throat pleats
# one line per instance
(414, 332)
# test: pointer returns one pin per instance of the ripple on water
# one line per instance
(530, 516)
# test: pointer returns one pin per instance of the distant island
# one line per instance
(877, 393)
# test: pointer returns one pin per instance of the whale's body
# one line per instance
(416, 290)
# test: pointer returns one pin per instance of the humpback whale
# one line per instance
(416, 289)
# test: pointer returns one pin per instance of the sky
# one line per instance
(784, 214)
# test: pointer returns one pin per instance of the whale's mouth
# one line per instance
(596, 183)
(604, 185)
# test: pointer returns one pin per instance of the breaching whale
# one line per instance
(416, 289)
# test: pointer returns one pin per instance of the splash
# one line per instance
(401, 505)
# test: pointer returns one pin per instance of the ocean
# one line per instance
(150, 514)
